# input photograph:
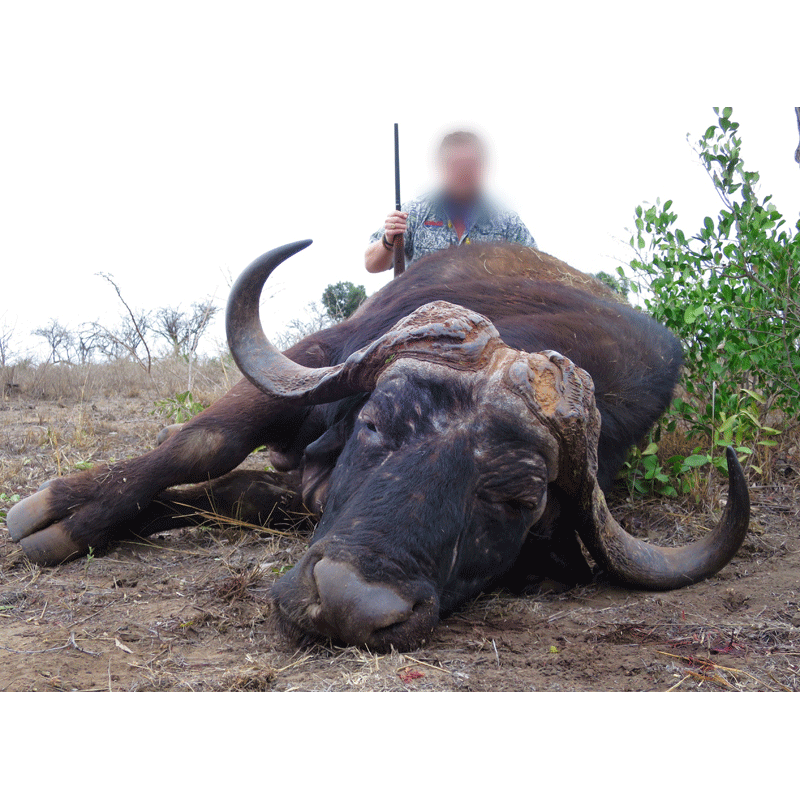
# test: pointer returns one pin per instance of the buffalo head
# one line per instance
(440, 469)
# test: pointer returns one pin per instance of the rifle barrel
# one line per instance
(398, 243)
(396, 167)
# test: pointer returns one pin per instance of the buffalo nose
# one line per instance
(352, 610)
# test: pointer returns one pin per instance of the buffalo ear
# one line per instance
(319, 460)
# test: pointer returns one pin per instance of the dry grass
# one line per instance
(126, 379)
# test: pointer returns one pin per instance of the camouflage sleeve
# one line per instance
(517, 233)
(412, 207)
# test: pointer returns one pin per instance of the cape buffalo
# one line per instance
(454, 434)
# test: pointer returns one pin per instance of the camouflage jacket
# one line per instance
(430, 227)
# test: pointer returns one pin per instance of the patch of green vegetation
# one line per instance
(731, 293)
(180, 408)
(9, 500)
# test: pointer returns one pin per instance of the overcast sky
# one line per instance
(171, 143)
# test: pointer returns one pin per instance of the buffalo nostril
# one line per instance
(350, 608)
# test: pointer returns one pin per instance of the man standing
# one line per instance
(458, 213)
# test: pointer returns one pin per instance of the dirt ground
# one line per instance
(187, 610)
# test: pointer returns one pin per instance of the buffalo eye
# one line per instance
(369, 426)
(517, 506)
(512, 505)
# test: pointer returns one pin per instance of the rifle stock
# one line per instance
(398, 255)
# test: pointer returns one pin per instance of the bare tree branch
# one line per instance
(6, 335)
(59, 339)
(136, 324)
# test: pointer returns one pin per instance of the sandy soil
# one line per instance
(187, 611)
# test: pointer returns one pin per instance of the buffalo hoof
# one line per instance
(29, 523)
(51, 547)
(31, 514)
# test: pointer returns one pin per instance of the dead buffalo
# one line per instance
(456, 433)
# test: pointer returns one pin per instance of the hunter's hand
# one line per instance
(395, 224)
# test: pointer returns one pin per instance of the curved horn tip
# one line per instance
(738, 490)
(282, 252)
(260, 362)
(641, 565)
(241, 313)
(285, 251)
(733, 461)
(299, 245)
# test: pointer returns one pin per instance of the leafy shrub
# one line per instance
(731, 292)
(180, 408)
(621, 284)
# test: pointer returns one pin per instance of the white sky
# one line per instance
(171, 143)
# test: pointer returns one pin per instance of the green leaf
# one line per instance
(696, 460)
(759, 398)
(690, 315)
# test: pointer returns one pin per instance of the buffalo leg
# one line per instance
(254, 497)
(89, 509)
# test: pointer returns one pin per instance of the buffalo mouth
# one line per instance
(328, 600)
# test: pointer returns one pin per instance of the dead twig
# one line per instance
(75, 645)
(783, 686)
(34, 652)
(425, 664)
(676, 685)
(70, 643)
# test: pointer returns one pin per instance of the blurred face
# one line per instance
(461, 168)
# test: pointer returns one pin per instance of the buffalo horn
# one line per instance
(638, 564)
(439, 332)
(259, 360)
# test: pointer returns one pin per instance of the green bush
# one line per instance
(180, 408)
(731, 292)
(621, 284)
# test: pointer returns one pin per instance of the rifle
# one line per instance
(398, 244)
